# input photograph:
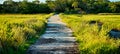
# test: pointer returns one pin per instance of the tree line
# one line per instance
(66, 6)
(25, 7)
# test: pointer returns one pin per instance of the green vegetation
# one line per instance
(19, 28)
(24, 7)
(94, 38)
(84, 6)
(19, 31)
(66, 6)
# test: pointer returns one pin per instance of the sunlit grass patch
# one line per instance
(92, 38)
(18, 32)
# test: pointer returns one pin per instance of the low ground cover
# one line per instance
(93, 32)
(19, 31)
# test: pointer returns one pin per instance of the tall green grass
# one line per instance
(18, 32)
(91, 38)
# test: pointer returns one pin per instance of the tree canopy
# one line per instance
(67, 6)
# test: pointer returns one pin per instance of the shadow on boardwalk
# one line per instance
(58, 39)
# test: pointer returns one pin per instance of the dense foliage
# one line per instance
(24, 7)
(94, 38)
(67, 6)
(84, 6)
(18, 34)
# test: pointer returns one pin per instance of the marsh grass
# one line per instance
(18, 32)
(91, 38)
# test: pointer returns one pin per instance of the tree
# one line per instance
(0, 8)
(7, 2)
(114, 7)
(36, 2)
(75, 4)
(51, 4)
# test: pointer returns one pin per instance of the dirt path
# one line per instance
(57, 39)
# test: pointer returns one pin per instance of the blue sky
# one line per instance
(1, 1)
